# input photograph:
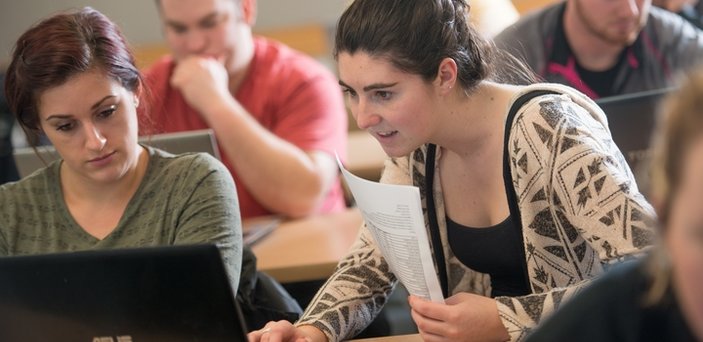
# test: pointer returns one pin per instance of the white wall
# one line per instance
(140, 22)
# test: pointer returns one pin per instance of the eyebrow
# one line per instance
(374, 86)
(205, 18)
(64, 116)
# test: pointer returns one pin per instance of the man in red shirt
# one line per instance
(278, 115)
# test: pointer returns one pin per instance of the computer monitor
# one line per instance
(632, 118)
(174, 293)
(28, 161)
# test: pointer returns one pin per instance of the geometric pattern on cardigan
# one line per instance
(590, 182)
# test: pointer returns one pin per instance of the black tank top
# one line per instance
(497, 251)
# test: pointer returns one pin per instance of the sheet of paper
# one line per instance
(393, 214)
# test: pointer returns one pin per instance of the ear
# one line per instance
(137, 94)
(446, 75)
(136, 100)
(248, 8)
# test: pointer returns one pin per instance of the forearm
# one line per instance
(281, 176)
(354, 294)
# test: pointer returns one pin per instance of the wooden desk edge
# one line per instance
(396, 338)
(319, 270)
(302, 273)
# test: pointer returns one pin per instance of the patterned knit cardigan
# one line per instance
(579, 206)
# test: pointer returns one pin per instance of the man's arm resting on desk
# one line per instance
(282, 177)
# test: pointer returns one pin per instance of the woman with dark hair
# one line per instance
(658, 298)
(526, 197)
(73, 78)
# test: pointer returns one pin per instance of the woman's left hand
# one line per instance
(462, 317)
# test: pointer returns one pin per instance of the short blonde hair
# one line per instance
(679, 124)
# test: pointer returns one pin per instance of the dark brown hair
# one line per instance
(416, 35)
(59, 47)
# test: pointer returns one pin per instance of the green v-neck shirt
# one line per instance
(183, 199)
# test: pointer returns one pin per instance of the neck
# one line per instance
(474, 124)
(78, 189)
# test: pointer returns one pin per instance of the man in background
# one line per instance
(278, 115)
(605, 47)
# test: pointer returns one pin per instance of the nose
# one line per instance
(95, 140)
(364, 115)
(196, 41)
(629, 8)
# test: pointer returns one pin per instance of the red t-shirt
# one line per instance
(287, 92)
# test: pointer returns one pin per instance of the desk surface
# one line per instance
(307, 249)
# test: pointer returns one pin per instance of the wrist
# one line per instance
(500, 331)
(312, 333)
(219, 107)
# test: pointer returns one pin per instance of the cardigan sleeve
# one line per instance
(362, 282)
(579, 204)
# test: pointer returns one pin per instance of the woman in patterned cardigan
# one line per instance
(526, 207)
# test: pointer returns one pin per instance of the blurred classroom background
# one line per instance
(306, 25)
(303, 24)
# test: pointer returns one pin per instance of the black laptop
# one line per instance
(632, 118)
(154, 294)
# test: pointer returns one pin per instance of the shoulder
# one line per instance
(630, 275)
(37, 181)
(625, 282)
(663, 20)
(565, 123)
(669, 31)
(184, 175)
(190, 165)
(561, 102)
(30, 191)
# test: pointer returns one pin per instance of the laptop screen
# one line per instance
(175, 293)
(632, 118)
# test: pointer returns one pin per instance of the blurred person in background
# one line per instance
(605, 47)
(278, 115)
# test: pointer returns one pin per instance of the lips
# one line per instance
(386, 134)
(101, 158)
